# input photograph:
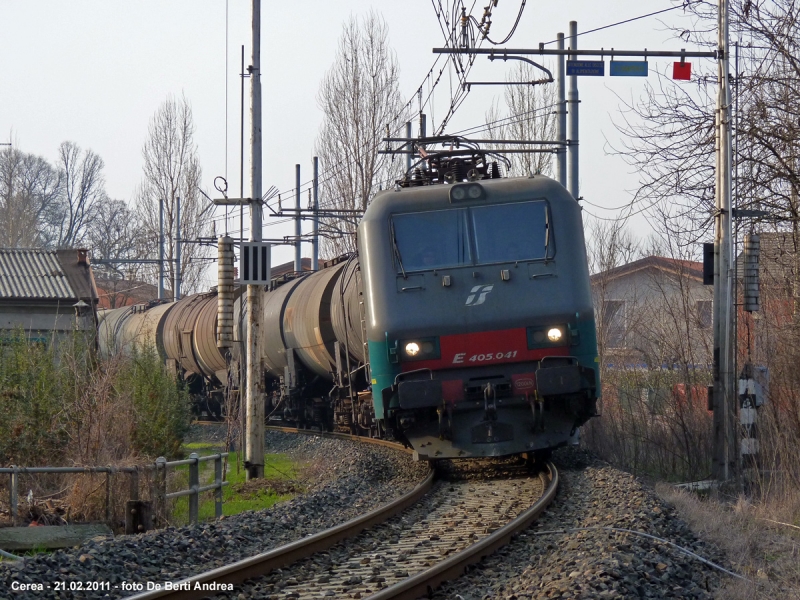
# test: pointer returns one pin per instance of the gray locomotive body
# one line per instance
(479, 316)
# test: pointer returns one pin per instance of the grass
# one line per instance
(278, 485)
(763, 551)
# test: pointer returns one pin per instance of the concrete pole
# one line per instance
(573, 116)
(177, 287)
(225, 292)
(725, 457)
(315, 239)
(161, 248)
(254, 452)
(298, 260)
(561, 157)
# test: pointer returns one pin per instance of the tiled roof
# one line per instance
(33, 274)
(686, 268)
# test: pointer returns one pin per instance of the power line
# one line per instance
(685, 5)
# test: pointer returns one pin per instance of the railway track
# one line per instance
(400, 550)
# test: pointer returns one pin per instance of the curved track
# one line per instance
(467, 527)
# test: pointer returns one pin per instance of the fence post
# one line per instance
(161, 487)
(14, 492)
(194, 483)
(218, 483)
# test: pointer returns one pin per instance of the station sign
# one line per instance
(594, 68)
(628, 68)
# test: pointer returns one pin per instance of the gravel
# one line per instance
(349, 478)
(595, 563)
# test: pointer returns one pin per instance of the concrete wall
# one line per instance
(662, 322)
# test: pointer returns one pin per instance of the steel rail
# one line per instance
(422, 583)
(261, 564)
(343, 436)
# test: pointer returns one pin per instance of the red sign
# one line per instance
(682, 70)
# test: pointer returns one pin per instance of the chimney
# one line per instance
(83, 256)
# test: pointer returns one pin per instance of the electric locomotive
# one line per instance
(479, 316)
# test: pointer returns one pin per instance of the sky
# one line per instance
(95, 71)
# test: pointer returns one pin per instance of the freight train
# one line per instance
(463, 326)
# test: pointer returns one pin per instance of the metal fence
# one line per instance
(159, 469)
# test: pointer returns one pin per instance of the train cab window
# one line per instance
(511, 232)
(431, 240)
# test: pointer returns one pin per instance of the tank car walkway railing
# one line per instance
(159, 468)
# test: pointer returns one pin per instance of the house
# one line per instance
(116, 293)
(654, 312)
(44, 291)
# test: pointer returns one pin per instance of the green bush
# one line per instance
(32, 427)
(60, 406)
(161, 408)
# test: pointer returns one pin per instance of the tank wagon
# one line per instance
(184, 335)
(464, 326)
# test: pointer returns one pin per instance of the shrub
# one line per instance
(33, 427)
(161, 408)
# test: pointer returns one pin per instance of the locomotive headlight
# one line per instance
(458, 193)
(419, 349)
(547, 336)
(467, 191)
(474, 191)
(412, 348)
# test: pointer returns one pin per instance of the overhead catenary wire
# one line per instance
(448, 26)
(685, 5)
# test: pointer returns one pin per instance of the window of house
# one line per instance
(613, 321)
(704, 314)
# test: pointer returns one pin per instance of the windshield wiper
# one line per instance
(546, 231)
(397, 251)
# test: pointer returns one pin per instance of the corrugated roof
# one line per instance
(33, 274)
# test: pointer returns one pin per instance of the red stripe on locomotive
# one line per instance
(484, 348)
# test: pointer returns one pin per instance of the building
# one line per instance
(654, 312)
(46, 291)
(116, 293)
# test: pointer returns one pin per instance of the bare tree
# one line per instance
(114, 234)
(654, 344)
(609, 245)
(529, 115)
(669, 132)
(172, 172)
(82, 187)
(29, 191)
(360, 99)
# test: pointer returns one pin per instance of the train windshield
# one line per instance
(510, 232)
(496, 233)
(431, 240)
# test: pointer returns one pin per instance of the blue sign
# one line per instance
(596, 68)
(628, 68)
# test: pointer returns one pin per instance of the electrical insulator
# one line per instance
(752, 292)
